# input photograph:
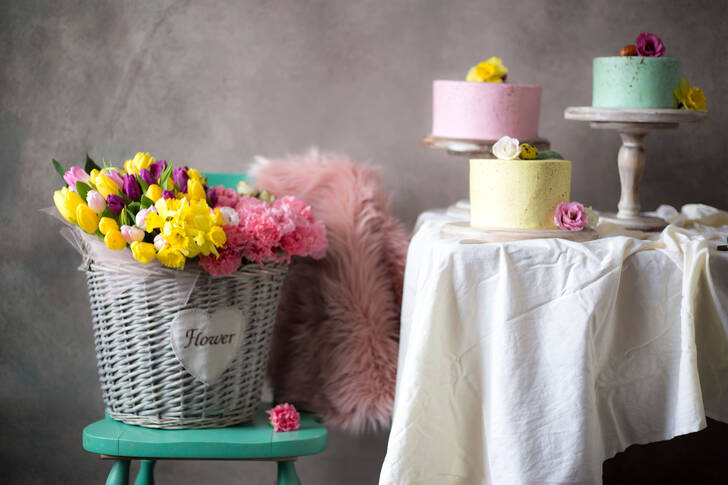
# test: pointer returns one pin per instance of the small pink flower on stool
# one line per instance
(284, 417)
(570, 216)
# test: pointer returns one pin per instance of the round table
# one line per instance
(534, 361)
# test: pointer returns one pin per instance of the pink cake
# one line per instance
(485, 111)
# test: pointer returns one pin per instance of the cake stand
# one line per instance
(470, 148)
(632, 125)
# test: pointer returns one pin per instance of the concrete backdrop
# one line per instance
(212, 83)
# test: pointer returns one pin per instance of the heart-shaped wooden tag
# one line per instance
(206, 344)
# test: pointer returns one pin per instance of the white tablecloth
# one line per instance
(532, 362)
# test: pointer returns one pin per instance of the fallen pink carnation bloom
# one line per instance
(284, 417)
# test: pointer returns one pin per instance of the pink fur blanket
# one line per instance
(335, 345)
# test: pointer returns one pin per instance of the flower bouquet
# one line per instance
(183, 283)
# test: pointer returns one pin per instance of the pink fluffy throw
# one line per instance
(335, 344)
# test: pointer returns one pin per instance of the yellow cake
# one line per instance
(517, 194)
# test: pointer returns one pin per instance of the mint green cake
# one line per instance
(635, 82)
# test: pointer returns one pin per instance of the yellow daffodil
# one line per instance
(490, 71)
(66, 202)
(691, 97)
(171, 257)
(140, 161)
(86, 218)
(107, 224)
(114, 240)
(528, 152)
(143, 252)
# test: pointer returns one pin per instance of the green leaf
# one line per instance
(549, 155)
(165, 176)
(107, 213)
(82, 189)
(59, 168)
(134, 206)
(142, 183)
(91, 165)
(146, 202)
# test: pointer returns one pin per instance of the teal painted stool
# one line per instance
(254, 440)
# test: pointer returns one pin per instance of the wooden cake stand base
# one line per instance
(632, 125)
(473, 235)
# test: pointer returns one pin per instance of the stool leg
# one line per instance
(287, 473)
(146, 473)
(119, 474)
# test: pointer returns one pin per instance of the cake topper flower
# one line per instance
(528, 152)
(490, 71)
(284, 417)
(649, 45)
(690, 97)
(571, 216)
(506, 148)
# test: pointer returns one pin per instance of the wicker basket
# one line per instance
(142, 381)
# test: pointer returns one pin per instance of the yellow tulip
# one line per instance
(66, 202)
(105, 186)
(140, 161)
(195, 190)
(86, 218)
(143, 252)
(114, 240)
(171, 257)
(154, 192)
(194, 174)
(107, 224)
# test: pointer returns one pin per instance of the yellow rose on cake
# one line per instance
(490, 71)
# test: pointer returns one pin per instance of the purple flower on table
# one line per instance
(156, 169)
(570, 216)
(147, 176)
(115, 203)
(168, 194)
(649, 45)
(180, 177)
(131, 188)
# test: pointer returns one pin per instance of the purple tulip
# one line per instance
(180, 178)
(147, 176)
(131, 187)
(115, 203)
(156, 170)
(168, 194)
(212, 197)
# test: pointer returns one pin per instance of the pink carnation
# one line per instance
(649, 45)
(226, 197)
(228, 262)
(570, 216)
(284, 417)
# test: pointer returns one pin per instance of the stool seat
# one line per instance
(254, 440)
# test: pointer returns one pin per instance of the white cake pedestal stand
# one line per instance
(470, 149)
(632, 125)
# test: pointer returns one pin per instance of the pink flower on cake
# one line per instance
(570, 216)
(649, 45)
(284, 417)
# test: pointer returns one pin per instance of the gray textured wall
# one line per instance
(214, 83)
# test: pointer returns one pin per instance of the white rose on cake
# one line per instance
(506, 148)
